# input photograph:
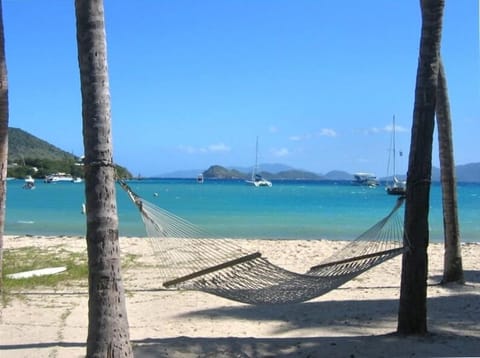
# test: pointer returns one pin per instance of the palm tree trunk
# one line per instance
(412, 315)
(452, 266)
(3, 138)
(108, 334)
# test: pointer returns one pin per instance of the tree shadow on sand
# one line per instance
(450, 318)
(452, 321)
(354, 346)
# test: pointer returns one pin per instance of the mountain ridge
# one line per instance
(466, 173)
(23, 145)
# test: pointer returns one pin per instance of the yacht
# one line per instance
(366, 179)
(58, 177)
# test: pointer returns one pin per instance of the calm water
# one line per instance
(288, 210)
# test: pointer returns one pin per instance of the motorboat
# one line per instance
(365, 179)
(29, 182)
(58, 177)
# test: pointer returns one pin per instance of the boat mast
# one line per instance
(394, 152)
(255, 168)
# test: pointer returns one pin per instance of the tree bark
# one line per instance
(3, 139)
(108, 333)
(412, 316)
(452, 266)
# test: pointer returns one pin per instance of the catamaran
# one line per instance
(256, 179)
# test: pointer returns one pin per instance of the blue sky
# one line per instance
(193, 83)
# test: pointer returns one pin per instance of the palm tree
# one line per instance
(412, 314)
(108, 334)
(452, 267)
(3, 138)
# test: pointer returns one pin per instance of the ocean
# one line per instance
(229, 208)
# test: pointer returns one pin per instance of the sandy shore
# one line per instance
(355, 320)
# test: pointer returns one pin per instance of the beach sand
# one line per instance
(356, 320)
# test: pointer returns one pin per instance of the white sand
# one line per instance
(355, 320)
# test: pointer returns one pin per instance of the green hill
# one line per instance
(22, 145)
(30, 155)
(219, 172)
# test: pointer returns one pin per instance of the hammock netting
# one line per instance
(192, 259)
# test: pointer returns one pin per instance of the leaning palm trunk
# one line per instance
(412, 315)
(452, 266)
(108, 334)
(3, 138)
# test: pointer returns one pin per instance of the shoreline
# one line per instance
(355, 319)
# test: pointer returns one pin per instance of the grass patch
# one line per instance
(33, 258)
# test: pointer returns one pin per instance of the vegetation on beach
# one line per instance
(33, 258)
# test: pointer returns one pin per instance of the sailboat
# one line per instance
(396, 187)
(257, 180)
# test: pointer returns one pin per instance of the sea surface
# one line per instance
(229, 208)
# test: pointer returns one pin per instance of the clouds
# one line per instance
(281, 152)
(387, 129)
(324, 132)
(211, 148)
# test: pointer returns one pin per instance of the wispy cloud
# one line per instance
(296, 138)
(327, 132)
(187, 149)
(387, 128)
(273, 129)
(398, 128)
(281, 152)
(324, 132)
(219, 147)
(212, 148)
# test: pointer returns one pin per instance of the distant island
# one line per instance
(29, 155)
(219, 172)
(466, 173)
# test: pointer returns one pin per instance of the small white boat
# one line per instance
(200, 179)
(58, 177)
(29, 183)
(257, 180)
(77, 180)
(366, 179)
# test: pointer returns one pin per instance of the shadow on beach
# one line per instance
(346, 317)
(356, 346)
(450, 320)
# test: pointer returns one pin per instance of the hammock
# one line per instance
(191, 259)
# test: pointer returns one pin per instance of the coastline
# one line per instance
(356, 319)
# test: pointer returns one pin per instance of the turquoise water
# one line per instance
(288, 210)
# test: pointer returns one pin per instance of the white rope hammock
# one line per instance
(190, 258)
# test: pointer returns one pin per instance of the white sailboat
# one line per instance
(257, 180)
(396, 187)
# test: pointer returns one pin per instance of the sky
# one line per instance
(194, 83)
